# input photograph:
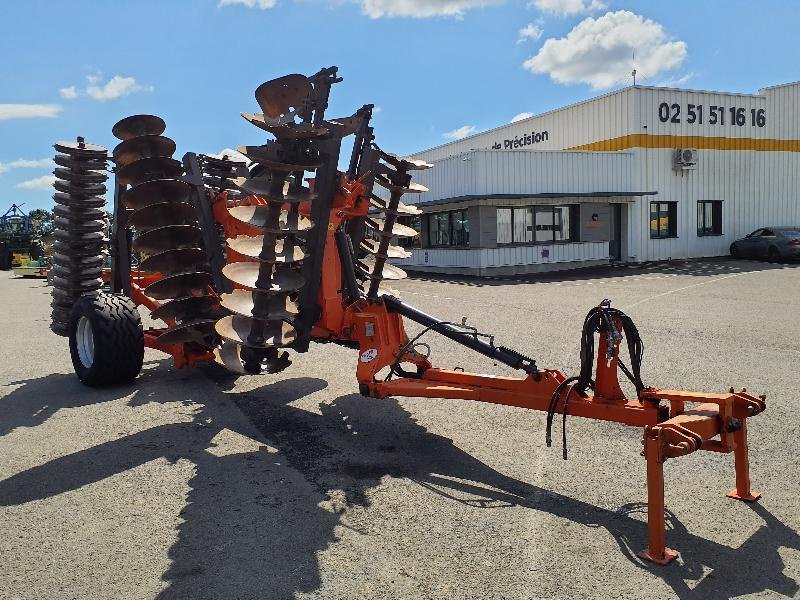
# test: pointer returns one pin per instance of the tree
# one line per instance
(42, 224)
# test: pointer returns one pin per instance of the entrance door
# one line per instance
(615, 244)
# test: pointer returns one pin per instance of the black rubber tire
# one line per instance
(118, 340)
(773, 255)
(735, 253)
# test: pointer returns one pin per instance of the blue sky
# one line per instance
(435, 68)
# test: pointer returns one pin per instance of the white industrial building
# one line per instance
(640, 174)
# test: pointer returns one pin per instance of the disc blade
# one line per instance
(147, 169)
(255, 333)
(404, 163)
(246, 274)
(402, 209)
(265, 155)
(137, 125)
(176, 260)
(80, 177)
(78, 190)
(199, 331)
(278, 97)
(397, 229)
(78, 225)
(79, 202)
(80, 163)
(252, 246)
(227, 355)
(184, 308)
(372, 246)
(161, 239)
(413, 188)
(286, 131)
(78, 239)
(145, 146)
(222, 163)
(242, 303)
(367, 265)
(179, 286)
(74, 212)
(155, 192)
(256, 216)
(162, 214)
(81, 149)
(261, 186)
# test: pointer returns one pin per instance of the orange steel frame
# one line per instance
(715, 422)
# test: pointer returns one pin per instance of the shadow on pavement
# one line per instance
(716, 267)
(252, 528)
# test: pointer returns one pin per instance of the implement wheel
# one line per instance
(106, 340)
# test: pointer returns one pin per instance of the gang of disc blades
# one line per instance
(80, 177)
(81, 149)
(278, 97)
(398, 229)
(367, 264)
(147, 169)
(372, 246)
(137, 125)
(413, 188)
(145, 146)
(155, 192)
(265, 156)
(198, 330)
(242, 302)
(157, 240)
(251, 247)
(246, 274)
(181, 308)
(179, 286)
(161, 214)
(256, 216)
(175, 260)
(79, 190)
(79, 164)
(236, 328)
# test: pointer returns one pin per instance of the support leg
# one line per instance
(742, 490)
(656, 550)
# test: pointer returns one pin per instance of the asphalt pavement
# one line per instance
(195, 484)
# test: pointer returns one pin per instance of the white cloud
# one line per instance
(565, 8)
(262, 4)
(530, 32)
(674, 81)
(521, 116)
(28, 111)
(45, 182)
(599, 51)
(460, 133)
(22, 163)
(69, 93)
(114, 88)
(375, 9)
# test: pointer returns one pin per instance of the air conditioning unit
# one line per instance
(684, 158)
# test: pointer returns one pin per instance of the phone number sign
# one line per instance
(672, 112)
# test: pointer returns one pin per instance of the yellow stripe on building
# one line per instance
(646, 140)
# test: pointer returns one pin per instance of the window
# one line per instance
(449, 228)
(536, 224)
(709, 217)
(663, 219)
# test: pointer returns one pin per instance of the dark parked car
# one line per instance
(772, 243)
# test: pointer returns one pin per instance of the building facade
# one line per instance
(640, 174)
